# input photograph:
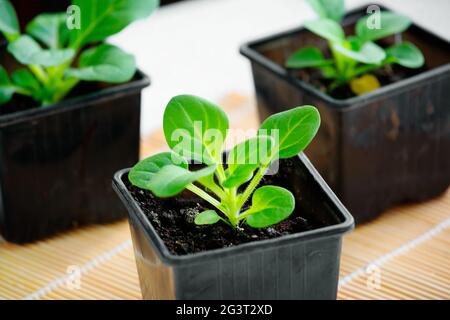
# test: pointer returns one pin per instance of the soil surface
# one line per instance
(173, 219)
(387, 75)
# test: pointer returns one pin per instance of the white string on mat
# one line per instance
(85, 268)
(408, 246)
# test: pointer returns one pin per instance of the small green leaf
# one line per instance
(380, 25)
(24, 78)
(406, 54)
(307, 57)
(326, 28)
(270, 205)
(103, 18)
(104, 63)
(165, 174)
(195, 128)
(27, 51)
(145, 169)
(369, 53)
(331, 9)
(245, 157)
(207, 217)
(9, 24)
(295, 129)
(171, 180)
(50, 29)
(329, 72)
(6, 88)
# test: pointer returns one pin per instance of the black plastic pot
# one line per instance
(56, 162)
(376, 150)
(296, 266)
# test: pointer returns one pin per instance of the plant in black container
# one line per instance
(207, 230)
(355, 59)
(67, 101)
(381, 91)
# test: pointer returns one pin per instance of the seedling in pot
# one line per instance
(195, 130)
(59, 50)
(354, 58)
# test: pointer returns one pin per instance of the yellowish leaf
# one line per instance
(364, 84)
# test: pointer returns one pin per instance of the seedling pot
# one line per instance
(303, 265)
(56, 162)
(377, 150)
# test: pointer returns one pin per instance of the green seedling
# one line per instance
(195, 130)
(59, 50)
(354, 57)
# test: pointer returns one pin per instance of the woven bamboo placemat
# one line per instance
(405, 254)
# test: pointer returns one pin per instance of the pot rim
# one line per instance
(139, 82)
(136, 213)
(247, 50)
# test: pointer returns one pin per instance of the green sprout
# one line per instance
(195, 130)
(354, 57)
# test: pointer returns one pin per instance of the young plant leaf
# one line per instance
(165, 174)
(307, 57)
(369, 52)
(328, 72)
(195, 128)
(50, 29)
(104, 63)
(295, 127)
(245, 157)
(9, 24)
(331, 9)
(171, 180)
(101, 19)
(27, 51)
(207, 217)
(6, 88)
(326, 28)
(270, 205)
(25, 79)
(144, 170)
(406, 54)
(389, 23)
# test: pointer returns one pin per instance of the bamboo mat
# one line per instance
(405, 254)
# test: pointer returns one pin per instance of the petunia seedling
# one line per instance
(59, 50)
(354, 57)
(195, 130)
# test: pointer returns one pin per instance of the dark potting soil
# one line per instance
(387, 75)
(173, 219)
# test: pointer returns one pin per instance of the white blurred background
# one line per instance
(193, 46)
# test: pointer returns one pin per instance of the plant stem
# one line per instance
(39, 73)
(218, 191)
(205, 196)
(338, 58)
(245, 214)
(220, 173)
(252, 185)
(54, 81)
(64, 90)
(233, 207)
